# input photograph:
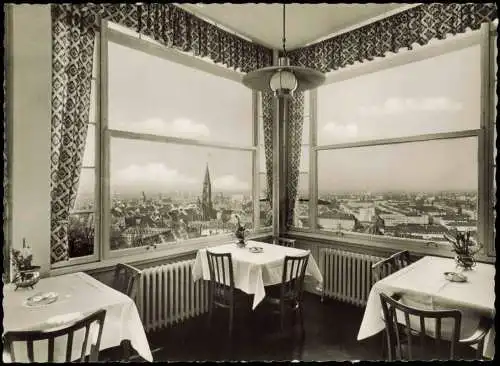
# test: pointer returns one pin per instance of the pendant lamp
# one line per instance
(283, 80)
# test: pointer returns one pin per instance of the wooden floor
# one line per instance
(331, 328)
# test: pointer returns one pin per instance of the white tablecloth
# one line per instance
(254, 271)
(78, 292)
(423, 285)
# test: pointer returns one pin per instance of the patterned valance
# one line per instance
(175, 28)
(415, 25)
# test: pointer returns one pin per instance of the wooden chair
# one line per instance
(30, 336)
(388, 266)
(285, 242)
(290, 290)
(126, 279)
(222, 292)
(396, 340)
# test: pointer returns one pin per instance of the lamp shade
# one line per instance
(272, 77)
(283, 83)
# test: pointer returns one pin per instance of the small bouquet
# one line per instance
(22, 258)
(465, 247)
(240, 231)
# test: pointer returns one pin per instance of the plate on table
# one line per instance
(42, 298)
(455, 277)
(256, 249)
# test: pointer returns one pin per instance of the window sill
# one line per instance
(148, 257)
(381, 243)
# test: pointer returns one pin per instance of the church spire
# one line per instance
(206, 198)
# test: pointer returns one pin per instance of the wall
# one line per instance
(29, 96)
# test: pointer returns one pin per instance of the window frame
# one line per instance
(110, 32)
(484, 135)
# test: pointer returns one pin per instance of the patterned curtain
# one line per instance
(177, 28)
(294, 152)
(416, 25)
(268, 120)
(72, 60)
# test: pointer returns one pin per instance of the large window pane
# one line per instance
(418, 190)
(81, 228)
(148, 94)
(439, 94)
(168, 193)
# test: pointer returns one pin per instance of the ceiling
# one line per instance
(305, 23)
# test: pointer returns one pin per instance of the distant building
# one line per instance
(336, 221)
(207, 211)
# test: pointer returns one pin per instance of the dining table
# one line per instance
(254, 270)
(76, 295)
(424, 285)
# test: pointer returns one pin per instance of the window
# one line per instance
(399, 144)
(171, 152)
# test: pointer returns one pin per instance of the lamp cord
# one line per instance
(284, 32)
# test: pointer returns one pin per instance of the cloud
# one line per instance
(152, 173)
(341, 131)
(180, 127)
(403, 105)
(230, 183)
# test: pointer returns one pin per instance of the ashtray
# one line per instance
(455, 277)
(42, 298)
(256, 249)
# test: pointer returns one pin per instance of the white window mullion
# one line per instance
(104, 145)
(313, 160)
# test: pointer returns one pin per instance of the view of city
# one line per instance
(424, 215)
(143, 219)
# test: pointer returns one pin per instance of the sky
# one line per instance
(151, 95)
(440, 94)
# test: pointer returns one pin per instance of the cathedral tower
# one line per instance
(206, 197)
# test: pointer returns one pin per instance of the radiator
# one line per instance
(346, 275)
(167, 295)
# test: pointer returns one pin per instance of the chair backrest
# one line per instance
(390, 306)
(220, 266)
(285, 242)
(388, 266)
(292, 281)
(30, 336)
(126, 279)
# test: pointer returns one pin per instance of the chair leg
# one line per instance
(301, 312)
(231, 318)
(479, 351)
(210, 314)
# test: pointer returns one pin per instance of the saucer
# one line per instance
(455, 277)
(42, 298)
(256, 249)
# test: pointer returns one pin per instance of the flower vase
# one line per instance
(26, 277)
(241, 243)
(465, 262)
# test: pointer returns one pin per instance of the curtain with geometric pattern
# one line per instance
(294, 152)
(417, 25)
(72, 61)
(268, 120)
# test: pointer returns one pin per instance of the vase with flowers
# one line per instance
(465, 248)
(240, 233)
(26, 274)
